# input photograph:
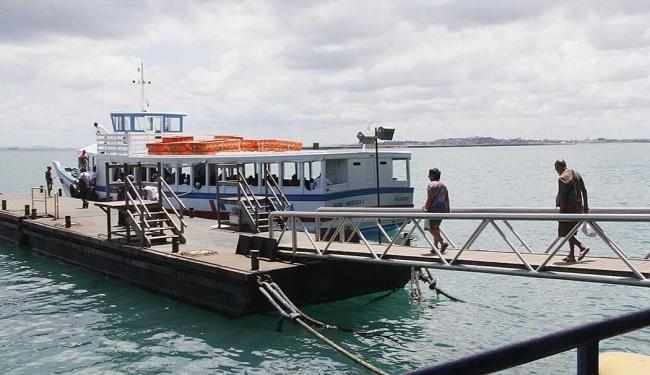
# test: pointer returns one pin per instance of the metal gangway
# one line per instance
(327, 234)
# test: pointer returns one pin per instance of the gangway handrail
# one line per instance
(585, 337)
(470, 216)
(532, 210)
(339, 219)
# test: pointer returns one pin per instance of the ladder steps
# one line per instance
(153, 238)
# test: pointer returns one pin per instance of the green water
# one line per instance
(57, 318)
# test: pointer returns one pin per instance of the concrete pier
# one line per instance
(207, 271)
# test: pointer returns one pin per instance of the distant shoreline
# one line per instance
(451, 142)
(37, 148)
(448, 145)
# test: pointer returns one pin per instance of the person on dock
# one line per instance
(121, 219)
(49, 181)
(437, 201)
(571, 199)
(85, 185)
(151, 192)
(83, 160)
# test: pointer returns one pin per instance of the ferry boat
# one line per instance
(307, 179)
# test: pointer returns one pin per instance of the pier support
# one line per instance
(255, 262)
(4, 205)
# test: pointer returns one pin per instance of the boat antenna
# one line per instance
(142, 83)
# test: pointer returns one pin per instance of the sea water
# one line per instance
(57, 318)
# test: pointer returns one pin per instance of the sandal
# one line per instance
(569, 259)
(583, 253)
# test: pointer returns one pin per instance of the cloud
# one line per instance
(319, 71)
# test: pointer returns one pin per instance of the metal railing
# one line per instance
(272, 186)
(502, 210)
(124, 144)
(338, 221)
(585, 337)
(162, 195)
(36, 199)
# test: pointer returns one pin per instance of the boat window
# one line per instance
(400, 169)
(118, 124)
(290, 174)
(140, 124)
(336, 171)
(250, 174)
(153, 123)
(169, 176)
(312, 170)
(212, 175)
(184, 173)
(198, 174)
(356, 163)
(172, 124)
(274, 170)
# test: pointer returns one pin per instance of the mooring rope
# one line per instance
(288, 310)
(433, 285)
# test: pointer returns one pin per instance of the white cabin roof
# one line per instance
(257, 157)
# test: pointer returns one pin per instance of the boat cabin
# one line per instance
(125, 122)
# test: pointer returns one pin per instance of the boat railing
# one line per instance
(164, 188)
(274, 188)
(246, 190)
(585, 338)
(124, 143)
(341, 220)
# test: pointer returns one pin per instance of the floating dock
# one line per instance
(207, 271)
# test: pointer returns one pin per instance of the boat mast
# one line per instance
(142, 83)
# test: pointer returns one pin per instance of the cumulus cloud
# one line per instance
(319, 71)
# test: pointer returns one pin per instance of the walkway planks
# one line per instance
(590, 265)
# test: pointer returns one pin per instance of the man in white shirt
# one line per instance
(100, 129)
(85, 184)
(319, 180)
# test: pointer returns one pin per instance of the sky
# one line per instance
(321, 71)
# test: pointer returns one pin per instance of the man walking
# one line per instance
(437, 201)
(85, 184)
(49, 181)
(571, 199)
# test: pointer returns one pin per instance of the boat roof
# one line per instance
(256, 156)
(140, 113)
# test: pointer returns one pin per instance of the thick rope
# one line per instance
(288, 310)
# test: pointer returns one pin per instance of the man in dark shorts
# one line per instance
(571, 199)
(49, 181)
(437, 201)
(85, 184)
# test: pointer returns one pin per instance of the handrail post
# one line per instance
(588, 358)
(109, 189)
(294, 234)
(216, 178)
(159, 183)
